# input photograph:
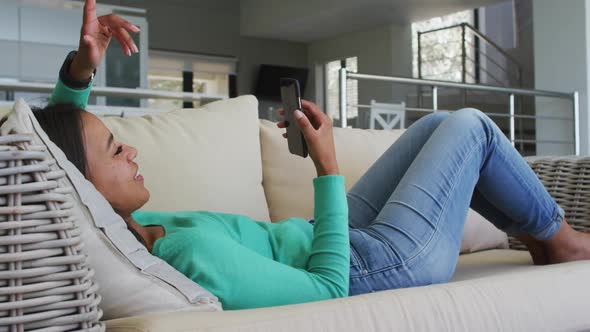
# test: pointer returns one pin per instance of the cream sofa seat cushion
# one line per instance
(199, 159)
(131, 281)
(288, 178)
(493, 290)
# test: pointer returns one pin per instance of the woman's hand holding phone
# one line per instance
(317, 130)
(95, 36)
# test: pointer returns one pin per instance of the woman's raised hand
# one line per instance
(317, 130)
(95, 36)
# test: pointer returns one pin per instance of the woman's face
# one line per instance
(111, 168)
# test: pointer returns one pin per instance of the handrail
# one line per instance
(468, 86)
(485, 71)
(489, 41)
(479, 34)
(345, 75)
(500, 115)
(110, 91)
(491, 60)
(472, 61)
(441, 29)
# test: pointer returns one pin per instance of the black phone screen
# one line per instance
(291, 98)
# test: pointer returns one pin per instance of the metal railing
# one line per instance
(345, 75)
(106, 110)
(513, 73)
(110, 91)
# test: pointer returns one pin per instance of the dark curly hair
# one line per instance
(63, 124)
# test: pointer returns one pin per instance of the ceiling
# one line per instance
(307, 20)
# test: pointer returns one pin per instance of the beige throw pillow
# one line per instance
(199, 159)
(131, 281)
(288, 178)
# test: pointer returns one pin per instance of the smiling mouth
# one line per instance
(138, 177)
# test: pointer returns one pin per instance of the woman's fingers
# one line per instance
(309, 105)
(313, 112)
(115, 21)
(311, 118)
(105, 31)
(120, 28)
(123, 44)
(126, 46)
(128, 40)
(128, 26)
(104, 36)
(305, 125)
(89, 12)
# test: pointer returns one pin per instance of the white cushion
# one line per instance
(510, 295)
(131, 280)
(199, 159)
(288, 178)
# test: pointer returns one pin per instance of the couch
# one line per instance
(493, 288)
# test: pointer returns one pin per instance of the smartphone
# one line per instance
(291, 97)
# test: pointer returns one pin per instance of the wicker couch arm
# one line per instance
(567, 179)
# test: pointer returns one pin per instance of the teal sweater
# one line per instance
(248, 263)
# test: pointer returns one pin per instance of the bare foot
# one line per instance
(567, 245)
(578, 248)
(535, 248)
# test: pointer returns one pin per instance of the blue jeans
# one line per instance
(407, 212)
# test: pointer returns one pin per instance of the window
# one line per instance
(441, 50)
(169, 81)
(332, 76)
(168, 71)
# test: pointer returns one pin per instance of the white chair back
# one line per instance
(389, 116)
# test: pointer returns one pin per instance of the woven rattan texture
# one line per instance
(44, 280)
(567, 179)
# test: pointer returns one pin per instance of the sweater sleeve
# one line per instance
(63, 94)
(242, 278)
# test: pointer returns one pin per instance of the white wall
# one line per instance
(384, 50)
(202, 26)
(213, 27)
(562, 60)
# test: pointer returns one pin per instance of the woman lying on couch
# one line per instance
(399, 226)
